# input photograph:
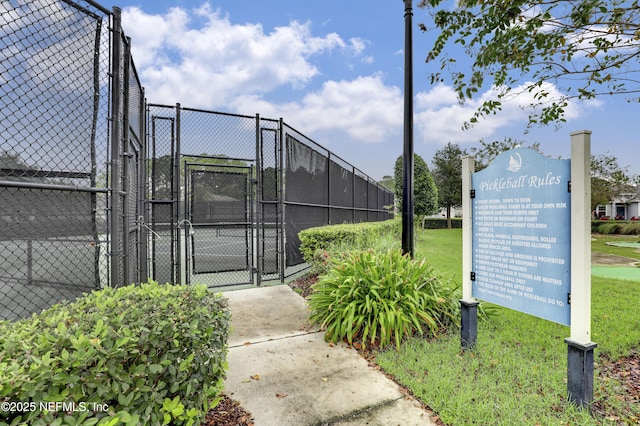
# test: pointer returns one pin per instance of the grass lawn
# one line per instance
(599, 244)
(517, 373)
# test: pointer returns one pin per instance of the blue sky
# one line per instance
(334, 71)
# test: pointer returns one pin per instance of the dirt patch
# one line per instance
(228, 413)
(626, 371)
(611, 260)
(303, 285)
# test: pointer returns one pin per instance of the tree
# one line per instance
(12, 167)
(447, 174)
(424, 188)
(608, 179)
(387, 182)
(587, 49)
(162, 170)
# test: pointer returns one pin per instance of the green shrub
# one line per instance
(609, 228)
(380, 297)
(433, 223)
(344, 235)
(149, 354)
(615, 227)
(321, 262)
(630, 228)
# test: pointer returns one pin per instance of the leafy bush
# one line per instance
(344, 235)
(149, 354)
(321, 262)
(380, 297)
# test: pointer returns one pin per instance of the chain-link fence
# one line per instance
(63, 120)
(321, 188)
(229, 194)
(97, 188)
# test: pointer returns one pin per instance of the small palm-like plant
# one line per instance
(381, 297)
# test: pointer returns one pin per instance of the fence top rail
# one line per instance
(217, 157)
(205, 111)
(219, 166)
(333, 207)
(35, 185)
(85, 10)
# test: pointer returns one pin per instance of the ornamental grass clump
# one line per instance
(379, 298)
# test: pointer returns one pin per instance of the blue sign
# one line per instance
(521, 253)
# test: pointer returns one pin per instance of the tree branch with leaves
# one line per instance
(585, 49)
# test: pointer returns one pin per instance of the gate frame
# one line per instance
(250, 223)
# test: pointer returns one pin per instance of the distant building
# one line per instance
(625, 206)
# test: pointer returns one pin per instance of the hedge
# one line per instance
(433, 223)
(622, 227)
(359, 234)
(146, 354)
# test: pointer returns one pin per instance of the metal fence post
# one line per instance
(126, 165)
(115, 212)
(143, 199)
(94, 166)
(175, 195)
(353, 193)
(281, 211)
(329, 198)
(257, 219)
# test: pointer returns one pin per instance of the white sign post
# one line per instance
(580, 346)
(468, 304)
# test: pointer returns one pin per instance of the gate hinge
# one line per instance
(569, 186)
(473, 276)
(568, 298)
(472, 193)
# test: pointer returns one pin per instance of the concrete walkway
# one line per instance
(284, 373)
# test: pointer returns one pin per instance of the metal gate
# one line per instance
(269, 217)
(219, 231)
(214, 219)
(163, 198)
(220, 210)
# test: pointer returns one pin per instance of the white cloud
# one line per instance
(439, 95)
(150, 33)
(205, 60)
(440, 117)
(365, 108)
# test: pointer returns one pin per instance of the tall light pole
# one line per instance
(407, 155)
